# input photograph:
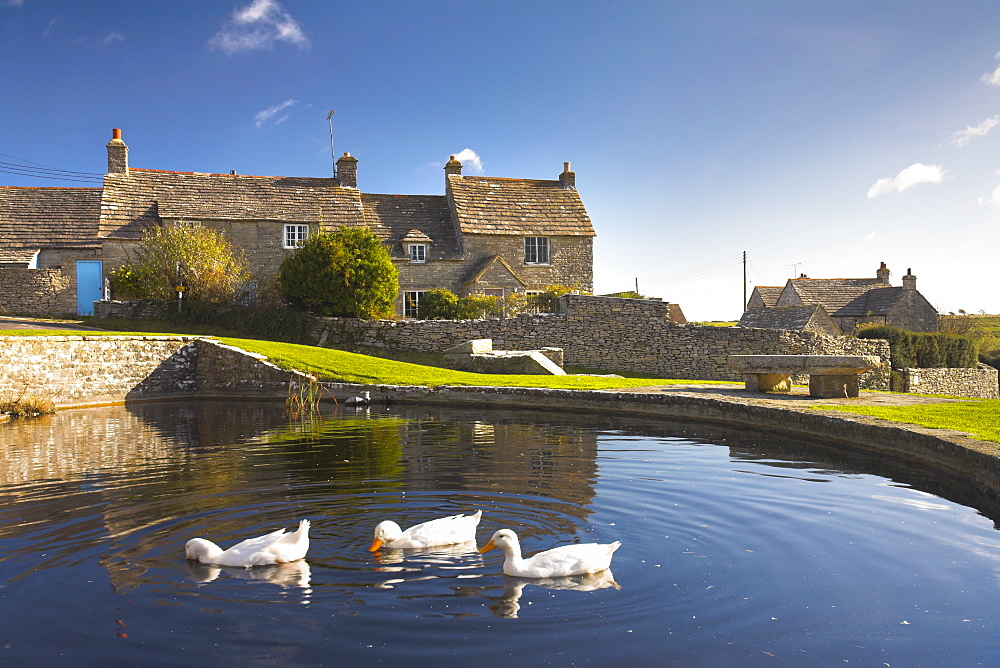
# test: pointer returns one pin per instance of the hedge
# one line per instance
(911, 350)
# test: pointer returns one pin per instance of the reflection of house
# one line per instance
(484, 235)
(849, 302)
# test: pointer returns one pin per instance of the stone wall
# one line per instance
(37, 292)
(96, 369)
(980, 383)
(610, 334)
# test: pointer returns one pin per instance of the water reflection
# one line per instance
(508, 605)
(294, 574)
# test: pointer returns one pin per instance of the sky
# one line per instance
(818, 137)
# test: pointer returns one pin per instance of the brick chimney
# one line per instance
(567, 178)
(453, 167)
(909, 281)
(117, 153)
(347, 171)
(882, 275)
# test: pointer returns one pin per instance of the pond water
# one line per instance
(739, 548)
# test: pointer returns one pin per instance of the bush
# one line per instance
(923, 350)
(202, 258)
(438, 305)
(345, 273)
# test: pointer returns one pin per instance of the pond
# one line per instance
(738, 547)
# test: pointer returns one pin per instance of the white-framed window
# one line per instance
(536, 250)
(295, 235)
(411, 303)
(417, 253)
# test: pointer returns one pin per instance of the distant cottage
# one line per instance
(839, 305)
(485, 235)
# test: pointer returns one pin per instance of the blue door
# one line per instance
(89, 285)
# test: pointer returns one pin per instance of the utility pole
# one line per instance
(636, 286)
(333, 156)
(744, 280)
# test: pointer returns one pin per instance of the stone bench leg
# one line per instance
(769, 382)
(833, 387)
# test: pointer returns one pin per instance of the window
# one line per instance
(411, 303)
(536, 250)
(417, 252)
(493, 292)
(295, 235)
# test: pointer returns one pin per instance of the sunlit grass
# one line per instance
(340, 366)
(978, 417)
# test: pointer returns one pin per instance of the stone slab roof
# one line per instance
(412, 217)
(844, 297)
(35, 218)
(769, 293)
(523, 207)
(780, 317)
(144, 196)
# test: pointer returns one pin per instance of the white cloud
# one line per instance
(993, 198)
(469, 158)
(913, 175)
(258, 26)
(114, 37)
(992, 78)
(963, 137)
(15, 3)
(264, 116)
(871, 236)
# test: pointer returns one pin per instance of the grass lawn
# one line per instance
(340, 366)
(979, 417)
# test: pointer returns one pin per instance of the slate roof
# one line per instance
(490, 205)
(769, 293)
(35, 218)
(847, 297)
(781, 317)
(395, 217)
(144, 196)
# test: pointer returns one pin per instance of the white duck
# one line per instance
(276, 547)
(442, 531)
(557, 562)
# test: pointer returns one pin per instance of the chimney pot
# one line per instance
(116, 133)
(453, 168)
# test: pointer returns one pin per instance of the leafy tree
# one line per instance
(202, 258)
(345, 273)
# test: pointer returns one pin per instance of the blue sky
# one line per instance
(820, 137)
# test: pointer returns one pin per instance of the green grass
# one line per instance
(979, 417)
(340, 366)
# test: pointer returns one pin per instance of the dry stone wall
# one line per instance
(94, 369)
(610, 334)
(980, 383)
(36, 291)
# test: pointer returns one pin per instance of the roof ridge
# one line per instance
(248, 176)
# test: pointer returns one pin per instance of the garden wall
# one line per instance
(611, 334)
(99, 369)
(36, 292)
(981, 383)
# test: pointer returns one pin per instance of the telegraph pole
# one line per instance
(744, 280)
(333, 156)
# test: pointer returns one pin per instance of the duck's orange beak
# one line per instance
(376, 544)
(486, 548)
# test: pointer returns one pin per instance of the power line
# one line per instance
(695, 271)
(24, 168)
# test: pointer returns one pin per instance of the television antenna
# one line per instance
(333, 156)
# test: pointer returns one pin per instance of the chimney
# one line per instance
(117, 153)
(909, 281)
(454, 167)
(567, 178)
(347, 171)
(882, 275)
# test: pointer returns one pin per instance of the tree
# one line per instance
(345, 273)
(201, 258)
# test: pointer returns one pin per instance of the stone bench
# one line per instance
(829, 375)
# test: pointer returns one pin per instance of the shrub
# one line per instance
(346, 273)
(923, 350)
(202, 258)
(439, 305)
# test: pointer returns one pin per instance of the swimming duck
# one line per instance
(364, 400)
(276, 547)
(557, 562)
(442, 531)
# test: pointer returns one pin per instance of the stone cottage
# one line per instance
(484, 235)
(849, 302)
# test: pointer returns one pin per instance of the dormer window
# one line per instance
(536, 250)
(417, 253)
